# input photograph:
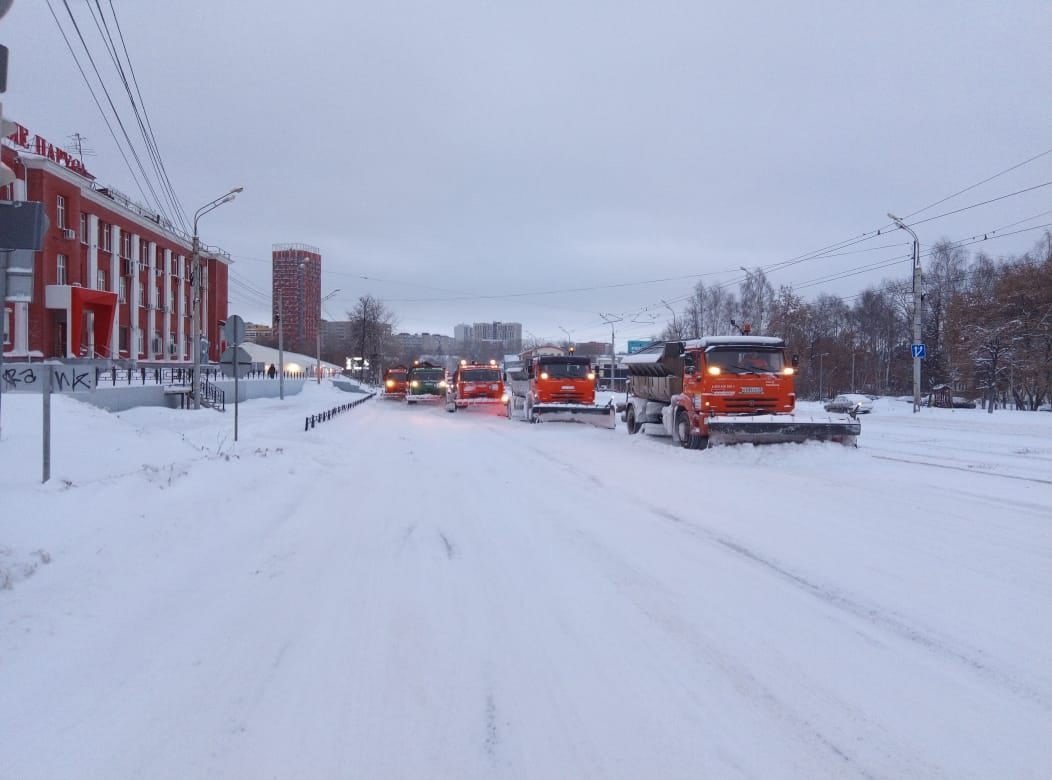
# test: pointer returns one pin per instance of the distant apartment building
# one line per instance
(412, 345)
(296, 284)
(508, 334)
(258, 333)
(463, 334)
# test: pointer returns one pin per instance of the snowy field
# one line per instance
(405, 593)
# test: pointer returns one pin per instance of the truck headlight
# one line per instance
(414, 383)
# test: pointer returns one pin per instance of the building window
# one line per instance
(6, 324)
(83, 228)
(107, 237)
(142, 301)
(100, 279)
(138, 342)
(60, 269)
(122, 342)
(171, 300)
(125, 244)
(60, 211)
(122, 294)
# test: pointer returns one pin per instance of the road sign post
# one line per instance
(237, 359)
(919, 351)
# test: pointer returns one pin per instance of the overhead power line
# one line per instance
(102, 111)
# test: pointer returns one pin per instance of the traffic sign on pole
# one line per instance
(236, 362)
(920, 351)
(234, 330)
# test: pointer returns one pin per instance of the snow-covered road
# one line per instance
(407, 593)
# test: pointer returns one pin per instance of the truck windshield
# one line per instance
(565, 370)
(429, 374)
(737, 361)
(480, 375)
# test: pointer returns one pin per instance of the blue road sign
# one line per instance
(920, 351)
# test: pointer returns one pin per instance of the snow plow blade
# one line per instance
(782, 429)
(600, 416)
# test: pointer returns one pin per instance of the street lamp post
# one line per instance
(320, 302)
(916, 310)
(821, 373)
(195, 282)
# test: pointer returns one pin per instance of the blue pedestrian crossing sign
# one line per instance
(920, 351)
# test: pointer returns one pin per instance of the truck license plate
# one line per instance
(752, 389)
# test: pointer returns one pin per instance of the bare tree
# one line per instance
(372, 324)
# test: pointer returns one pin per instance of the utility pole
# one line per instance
(916, 312)
(320, 302)
(281, 346)
(821, 373)
(610, 319)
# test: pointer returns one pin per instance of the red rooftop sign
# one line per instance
(41, 146)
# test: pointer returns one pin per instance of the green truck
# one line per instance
(425, 382)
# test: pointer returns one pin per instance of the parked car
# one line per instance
(849, 401)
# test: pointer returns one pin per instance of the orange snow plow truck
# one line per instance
(476, 385)
(557, 387)
(723, 390)
(394, 382)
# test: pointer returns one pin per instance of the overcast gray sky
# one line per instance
(457, 150)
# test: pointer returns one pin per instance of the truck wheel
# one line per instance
(630, 421)
(688, 440)
(451, 406)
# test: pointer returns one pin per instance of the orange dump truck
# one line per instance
(723, 390)
(475, 385)
(557, 387)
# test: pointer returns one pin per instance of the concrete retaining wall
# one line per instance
(119, 399)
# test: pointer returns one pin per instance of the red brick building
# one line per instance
(112, 281)
(296, 280)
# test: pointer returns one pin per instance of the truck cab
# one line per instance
(561, 379)
(395, 382)
(425, 382)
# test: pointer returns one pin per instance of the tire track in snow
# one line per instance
(652, 598)
(451, 551)
(870, 614)
(634, 585)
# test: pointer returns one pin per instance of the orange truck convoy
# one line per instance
(557, 387)
(701, 392)
(723, 390)
(475, 385)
